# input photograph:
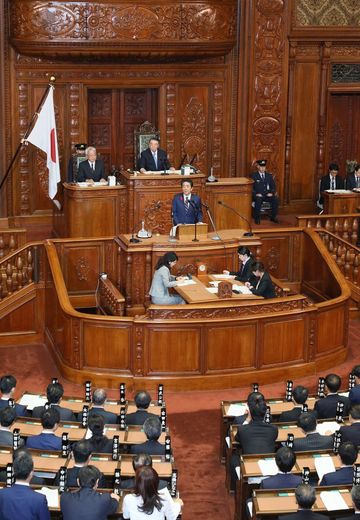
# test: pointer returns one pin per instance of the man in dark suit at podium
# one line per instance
(92, 169)
(331, 181)
(186, 207)
(264, 190)
(154, 159)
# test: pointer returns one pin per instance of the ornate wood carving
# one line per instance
(269, 80)
(23, 107)
(127, 27)
(170, 120)
(82, 268)
(217, 128)
(193, 135)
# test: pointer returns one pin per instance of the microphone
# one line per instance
(134, 240)
(248, 233)
(205, 205)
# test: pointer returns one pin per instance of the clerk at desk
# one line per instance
(154, 159)
(91, 170)
(186, 207)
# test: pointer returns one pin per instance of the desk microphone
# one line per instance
(248, 233)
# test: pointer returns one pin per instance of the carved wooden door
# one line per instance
(113, 115)
(343, 130)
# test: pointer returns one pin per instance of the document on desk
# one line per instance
(339, 192)
(224, 276)
(328, 427)
(268, 467)
(52, 496)
(213, 290)
(32, 401)
(241, 288)
(323, 464)
(333, 500)
(185, 282)
(236, 409)
(90, 184)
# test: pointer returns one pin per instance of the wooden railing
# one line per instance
(19, 269)
(10, 240)
(345, 254)
(111, 300)
(343, 226)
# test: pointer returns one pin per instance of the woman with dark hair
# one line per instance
(147, 502)
(98, 441)
(246, 261)
(163, 280)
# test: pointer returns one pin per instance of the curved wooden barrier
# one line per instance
(207, 345)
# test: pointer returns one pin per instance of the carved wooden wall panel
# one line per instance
(268, 86)
(178, 28)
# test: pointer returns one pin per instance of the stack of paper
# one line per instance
(185, 282)
(333, 500)
(327, 427)
(213, 290)
(241, 288)
(268, 467)
(236, 409)
(224, 276)
(323, 464)
(52, 496)
(31, 401)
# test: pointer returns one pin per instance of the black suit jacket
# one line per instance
(87, 504)
(265, 288)
(351, 433)
(304, 515)
(6, 439)
(103, 446)
(148, 447)
(325, 185)
(138, 418)
(72, 476)
(109, 417)
(257, 437)
(326, 407)
(338, 477)
(65, 413)
(290, 415)
(147, 162)
(85, 172)
(351, 182)
(245, 273)
(281, 481)
(20, 410)
(313, 442)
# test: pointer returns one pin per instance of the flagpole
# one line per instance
(28, 130)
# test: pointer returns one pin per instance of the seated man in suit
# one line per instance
(344, 475)
(352, 432)
(99, 398)
(262, 286)
(186, 207)
(299, 395)
(354, 394)
(93, 169)
(245, 273)
(331, 181)
(47, 440)
(7, 390)
(313, 440)
(87, 502)
(253, 397)
(153, 159)
(138, 462)
(81, 452)
(7, 419)
(142, 401)
(264, 189)
(98, 441)
(255, 437)
(285, 460)
(325, 407)
(54, 393)
(20, 502)
(353, 180)
(305, 498)
(152, 430)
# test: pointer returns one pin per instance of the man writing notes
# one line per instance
(264, 189)
(186, 207)
(153, 159)
(92, 170)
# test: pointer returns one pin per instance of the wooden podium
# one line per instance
(186, 232)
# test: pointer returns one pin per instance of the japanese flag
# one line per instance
(43, 135)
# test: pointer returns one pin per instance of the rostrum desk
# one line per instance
(100, 211)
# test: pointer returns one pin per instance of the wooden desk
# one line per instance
(198, 292)
(340, 203)
(272, 503)
(96, 211)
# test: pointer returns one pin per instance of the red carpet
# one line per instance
(193, 418)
